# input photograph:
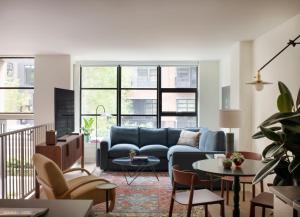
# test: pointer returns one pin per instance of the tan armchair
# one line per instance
(51, 178)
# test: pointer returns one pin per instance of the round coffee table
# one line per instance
(137, 166)
(215, 166)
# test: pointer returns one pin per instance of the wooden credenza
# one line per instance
(64, 154)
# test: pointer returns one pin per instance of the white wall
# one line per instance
(229, 74)
(245, 95)
(285, 68)
(50, 71)
(239, 66)
(235, 69)
(209, 94)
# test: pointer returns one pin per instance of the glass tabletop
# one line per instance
(125, 161)
(215, 166)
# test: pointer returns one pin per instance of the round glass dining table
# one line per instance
(215, 166)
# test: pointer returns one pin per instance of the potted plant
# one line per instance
(227, 163)
(132, 154)
(237, 158)
(282, 156)
(87, 128)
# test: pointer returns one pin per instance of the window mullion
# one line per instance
(119, 83)
(159, 94)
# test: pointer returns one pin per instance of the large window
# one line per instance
(99, 87)
(147, 96)
(16, 92)
(138, 96)
(178, 95)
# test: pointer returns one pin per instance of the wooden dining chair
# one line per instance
(192, 197)
(226, 180)
(263, 200)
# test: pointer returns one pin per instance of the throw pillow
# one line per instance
(189, 138)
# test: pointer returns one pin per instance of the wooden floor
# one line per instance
(244, 207)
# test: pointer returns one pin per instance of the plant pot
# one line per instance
(238, 162)
(87, 138)
(227, 164)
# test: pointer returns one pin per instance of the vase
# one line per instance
(238, 162)
(86, 138)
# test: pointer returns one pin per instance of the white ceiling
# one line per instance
(136, 29)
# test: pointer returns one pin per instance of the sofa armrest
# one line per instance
(104, 147)
(184, 160)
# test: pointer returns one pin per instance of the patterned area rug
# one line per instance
(144, 197)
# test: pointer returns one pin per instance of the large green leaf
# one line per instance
(260, 134)
(292, 126)
(284, 103)
(267, 148)
(266, 170)
(285, 90)
(277, 117)
(271, 134)
(294, 164)
(274, 150)
(298, 99)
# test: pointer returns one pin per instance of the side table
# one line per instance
(107, 187)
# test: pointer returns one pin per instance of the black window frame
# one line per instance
(159, 113)
(178, 90)
(98, 88)
(136, 88)
(18, 88)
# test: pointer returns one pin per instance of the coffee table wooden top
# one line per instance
(57, 208)
(288, 194)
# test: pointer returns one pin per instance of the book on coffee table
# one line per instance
(140, 159)
(22, 212)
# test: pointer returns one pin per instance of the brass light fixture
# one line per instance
(259, 83)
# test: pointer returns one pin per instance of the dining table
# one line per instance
(215, 167)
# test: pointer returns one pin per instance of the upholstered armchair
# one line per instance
(54, 184)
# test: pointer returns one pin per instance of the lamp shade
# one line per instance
(230, 118)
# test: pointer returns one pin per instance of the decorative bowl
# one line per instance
(237, 158)
(238, 162)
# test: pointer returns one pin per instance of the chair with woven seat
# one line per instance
(54, 184)
(226, 180)
(192, 197)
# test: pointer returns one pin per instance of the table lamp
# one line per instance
(230, 118)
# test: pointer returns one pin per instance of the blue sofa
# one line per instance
(159, 142)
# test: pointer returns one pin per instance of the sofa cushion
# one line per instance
(124, 135)
(174, 134)
(150, 136)
(158, 150)
(122, 150)
(215, 141)
(181, 148)
(203, 138)
(189, 138)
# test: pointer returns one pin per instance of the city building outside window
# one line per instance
(16, 93)
(145, 96)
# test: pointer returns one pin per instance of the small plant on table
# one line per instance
(237, 158)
